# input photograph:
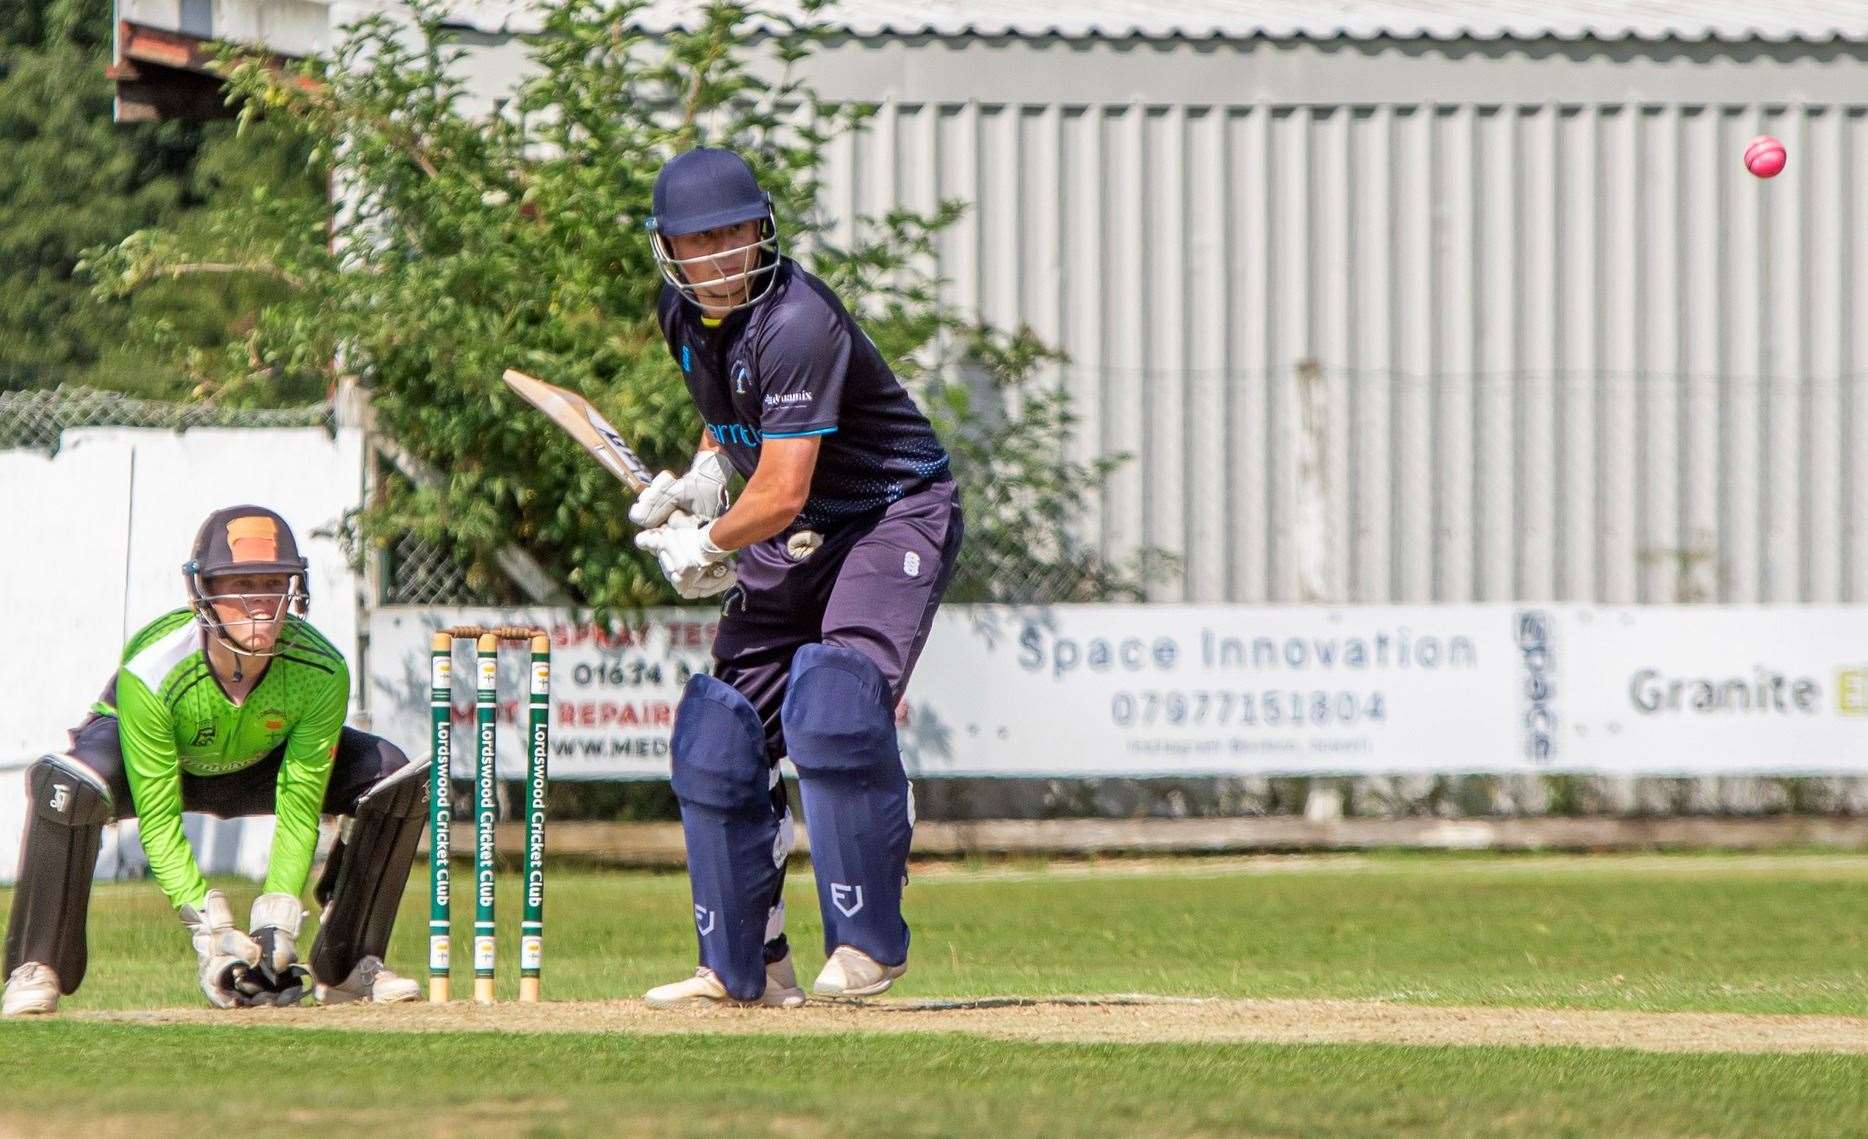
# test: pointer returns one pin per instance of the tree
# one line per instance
(466, 245)
(40, 24)
(70, 180)
(75, 179)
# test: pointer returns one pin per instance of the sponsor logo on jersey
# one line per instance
(204, 733)
(223, 767)
(731, 434)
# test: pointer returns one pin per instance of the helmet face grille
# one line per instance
(758, 280)
(296, 599)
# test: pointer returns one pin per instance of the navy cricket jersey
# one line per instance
(796, 364)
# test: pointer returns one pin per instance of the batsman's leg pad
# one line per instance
(64, 826)
(840, 731)
(735, 856)
(367, 871)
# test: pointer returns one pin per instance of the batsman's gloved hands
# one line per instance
(701, 492)
(693, 564)
(280, 979)
(225, 955)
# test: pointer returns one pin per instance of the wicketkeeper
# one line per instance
(845, 537)
(232, 706)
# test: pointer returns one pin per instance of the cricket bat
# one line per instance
(583, 422)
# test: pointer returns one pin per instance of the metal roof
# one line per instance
(1774, 21)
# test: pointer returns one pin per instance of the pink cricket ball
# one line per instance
(1765, 156)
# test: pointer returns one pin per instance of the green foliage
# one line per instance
(70, 179)
(470, 244)
(74, 179)
(42, 24)
(1023, 494)
(195, 317)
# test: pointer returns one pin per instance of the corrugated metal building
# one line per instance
(1561, 344)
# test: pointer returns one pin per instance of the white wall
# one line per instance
(92, 541)
(95, 537)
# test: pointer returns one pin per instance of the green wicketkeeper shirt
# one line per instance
(173, 717)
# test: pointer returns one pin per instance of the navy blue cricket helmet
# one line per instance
(704, 189)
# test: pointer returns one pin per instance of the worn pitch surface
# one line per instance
(1126, 1019)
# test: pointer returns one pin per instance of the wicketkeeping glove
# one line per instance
(280, 979)
(701, 492)
(224, 955)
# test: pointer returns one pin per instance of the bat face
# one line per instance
(619, 450)
(584, 423)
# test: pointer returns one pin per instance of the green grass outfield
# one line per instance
(1738, 934)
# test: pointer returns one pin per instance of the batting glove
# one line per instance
(692, 563)
(701, 492)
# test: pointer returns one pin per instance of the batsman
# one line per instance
(844, 539)
(231, 706)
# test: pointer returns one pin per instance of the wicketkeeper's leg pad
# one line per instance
(368, 867)
(840, 731)
(68, 807)
(736, 853)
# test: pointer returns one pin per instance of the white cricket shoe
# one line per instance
(369, 981)
(32, 990)
(852, 973)
(781, 989)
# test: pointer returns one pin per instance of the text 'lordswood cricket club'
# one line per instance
(1400, 648)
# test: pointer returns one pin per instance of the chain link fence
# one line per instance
(979, 578)
(35, 419)
(421, 572)
(994, 567)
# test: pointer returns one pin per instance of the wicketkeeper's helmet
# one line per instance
(245, 540)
